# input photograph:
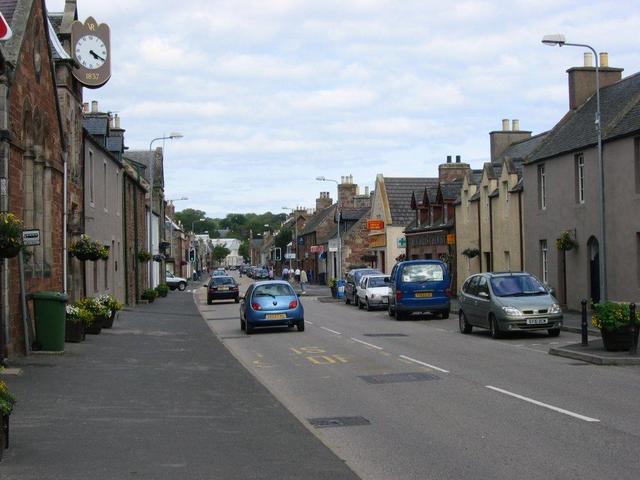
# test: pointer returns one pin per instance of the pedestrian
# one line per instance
(297, 275)
(270, 273)
(303, 280)
(291, 275)
(285, 273)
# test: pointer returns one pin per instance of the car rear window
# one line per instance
(377, 282)
(223, 281)
(359, 275)
(273, 290)
(425, 272)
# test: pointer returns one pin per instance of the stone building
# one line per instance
(32, 156)
(562, 193)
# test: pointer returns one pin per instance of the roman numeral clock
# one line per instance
(91, 48)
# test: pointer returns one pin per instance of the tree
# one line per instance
(220, 252)
(283, 238)
(244, 250)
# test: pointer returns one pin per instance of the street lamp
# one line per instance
(324, 179)
(559, 40)
(171, 136)
(194, 223)
(295, 238)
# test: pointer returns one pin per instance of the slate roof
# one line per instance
(451, 190)
(399, 190)
(318, 218)
(474, 197)
(521, 150)
(620, 113)
(145, 157)
(96, 125)
(351, 214)
(115, 144)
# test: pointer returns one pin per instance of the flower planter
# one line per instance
(96, 326)
(108, 321)
(73, 331)
(617, 340)
(9, 251)
(334, 292)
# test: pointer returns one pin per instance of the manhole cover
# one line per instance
(385, 335)
(399, 377)
(329, 422)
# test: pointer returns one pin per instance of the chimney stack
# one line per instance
(505, 124)
(347, 191)
(582, 80)
(94, 106)
(448, 172)
(516, 125)
(502, 139)
(366, 191)
(323, 201)
(116, 121)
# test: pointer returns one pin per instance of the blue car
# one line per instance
(420, 286)
(270, 304)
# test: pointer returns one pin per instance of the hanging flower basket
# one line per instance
(10, 235)
(471, 252)
(104, 253)
(143, 256)
(86, 249)
(566, 242)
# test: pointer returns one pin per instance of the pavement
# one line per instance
(156, 397)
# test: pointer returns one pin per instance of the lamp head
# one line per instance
(553, 40)
(321, 179)
(174, 135)
(201, 219)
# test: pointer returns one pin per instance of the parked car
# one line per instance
(174, 282)
(353, 280)
(269, 304)
(373, 292)
(222, 288)
(218, 272)
(507, 302)
(420, 286)
(261, 273)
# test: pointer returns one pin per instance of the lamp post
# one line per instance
(295, 227)
(324, 179)
(559, 40)
(193, 240)
(171, 136)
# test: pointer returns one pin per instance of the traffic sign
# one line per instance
(5, 29)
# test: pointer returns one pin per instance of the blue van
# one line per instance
(420, 286)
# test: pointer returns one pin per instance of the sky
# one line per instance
(270, 94)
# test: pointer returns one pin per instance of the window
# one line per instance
(542, 188)
(543, 260)
(426, 272)
(91, 178)
(507, 260)
(487, 261)
(517, 286)
(580, 178)
(505, 194)
(483, 287)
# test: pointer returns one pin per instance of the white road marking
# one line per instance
(545, 405)
(424, 364)
(329, 330)
(308, 322)
(367, 344)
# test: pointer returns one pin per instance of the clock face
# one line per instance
(91, 52)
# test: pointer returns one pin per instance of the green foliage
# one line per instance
(149, 294)
(283, 238)
(611, 315)
(239, 225)
(162, 289)
(110, 302)
(471, 252)
(333, 283)
(10, 230)
(566, 242)
(220, 252)
(104, 253)
(76, 313)
(87, 249)
(94, 307)
(244, 250)
(7, 400)
(143, 256)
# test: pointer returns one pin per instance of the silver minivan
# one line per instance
(508, 302)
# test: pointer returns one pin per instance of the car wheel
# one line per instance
(301, 326)
(242, 327)
(209, 301)
(360, 306)
(554, 332)
(390, 311)
(356, 301)
(399, 315)
(248, 328)
(493, 327)
(237, 300)
(346, 299)
(366, 305)
(445, 314)
(182, 286)
(465, 327)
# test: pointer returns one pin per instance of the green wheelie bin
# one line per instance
(50, 311)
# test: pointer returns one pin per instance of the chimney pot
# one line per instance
(94, 106)
(117, 120)
(505, 124)
(588, 59)
(516, 125)
(448, 158)
(604, 59)
(366, 190)
(457, 158)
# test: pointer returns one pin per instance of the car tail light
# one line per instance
(256, 306)
(234, 288)
(293, 304)
(447, 292)
(398, 295)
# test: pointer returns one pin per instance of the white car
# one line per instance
(174, 282)
(373, 292)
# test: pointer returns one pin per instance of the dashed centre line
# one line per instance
(545, 405)
(424, 364)
(367, 344)
(331, 331)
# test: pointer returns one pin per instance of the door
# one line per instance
(469, 300)
(594, 269)
(484, 302)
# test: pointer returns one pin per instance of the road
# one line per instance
(429, 402)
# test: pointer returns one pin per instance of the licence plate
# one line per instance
(424, 294)
(537, 321)
(276, 316)
(223, 289)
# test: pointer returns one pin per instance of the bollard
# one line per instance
(634, 329)
(583, 325)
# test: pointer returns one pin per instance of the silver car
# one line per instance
(508, 302)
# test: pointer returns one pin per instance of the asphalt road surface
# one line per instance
(417, 399)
